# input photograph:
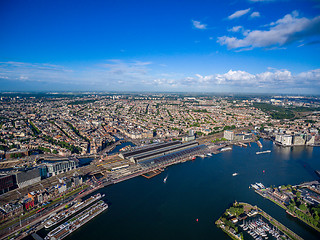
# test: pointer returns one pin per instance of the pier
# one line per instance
(152, 174)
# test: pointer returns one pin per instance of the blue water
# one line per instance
(118, 147)
(150, 209)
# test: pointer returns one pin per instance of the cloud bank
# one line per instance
(290, 28)
(117, 75)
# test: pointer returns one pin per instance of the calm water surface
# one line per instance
(150, 209)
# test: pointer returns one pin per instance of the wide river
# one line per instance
(202, 189)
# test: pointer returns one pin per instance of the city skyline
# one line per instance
(207, 46)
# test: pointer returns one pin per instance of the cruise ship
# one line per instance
(57, 218)
(76, 222)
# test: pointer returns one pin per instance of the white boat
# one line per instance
(234, 174)
(267, 151)
(225, 149)
(165, 179)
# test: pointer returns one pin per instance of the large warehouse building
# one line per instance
(156, 150)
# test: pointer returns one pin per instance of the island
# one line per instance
(253, 222)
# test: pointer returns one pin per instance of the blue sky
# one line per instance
(259, 46)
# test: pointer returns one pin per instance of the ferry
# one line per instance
(267, 151)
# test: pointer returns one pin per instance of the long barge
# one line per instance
(69, 212)
(76, 222)
(267, 151)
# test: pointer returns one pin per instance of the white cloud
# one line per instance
(272, 79)
(255, 14)
(235, 29)
(288, 29)
(199, 25)
(136, 76)
(239, 13)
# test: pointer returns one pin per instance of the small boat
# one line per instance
(234, 174)
(165, 179)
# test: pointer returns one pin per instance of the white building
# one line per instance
(229, 135)
(287, 140)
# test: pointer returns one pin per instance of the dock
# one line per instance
(152, 174)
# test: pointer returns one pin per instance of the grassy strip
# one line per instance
(229, 234)
(285, 208)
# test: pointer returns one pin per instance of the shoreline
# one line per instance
(127, 177)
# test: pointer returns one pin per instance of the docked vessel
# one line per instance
(259, 144)
(291, 214)
(225, 149)
(267, 151)
(76, 222)
(57, 218)
(126, 148)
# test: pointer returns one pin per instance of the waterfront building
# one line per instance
(26, 178)
(156, 150)
(278, 138)
(238, 137)
(310, 139)
(9, 210)
(229, 135)
(56, 168)
(28, 203)
(287, 140)
(7, 183)
(188, 138)
(299, 139)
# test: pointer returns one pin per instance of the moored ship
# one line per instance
(55, 219)
(267, 151)
(76, 222)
